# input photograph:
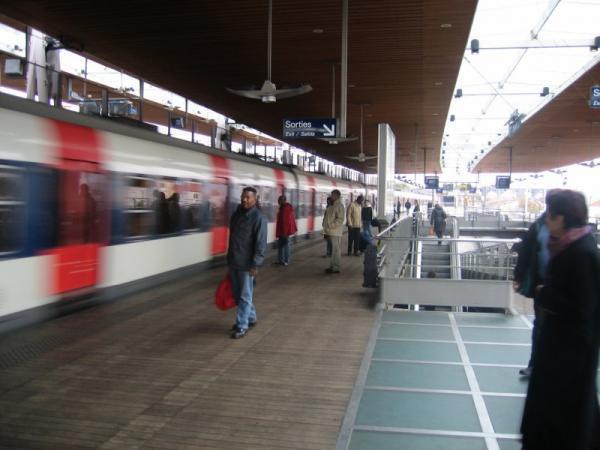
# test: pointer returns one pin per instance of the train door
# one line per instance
(218, 193)
(82, 208)
(82, 225)
(311, 200)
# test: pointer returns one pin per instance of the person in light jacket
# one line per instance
(246, 253)
(333, 226)
(284, 229)
(353, 221)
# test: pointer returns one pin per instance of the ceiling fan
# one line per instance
(361, 156)
(269, 93)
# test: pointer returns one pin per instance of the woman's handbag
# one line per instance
(224, 298)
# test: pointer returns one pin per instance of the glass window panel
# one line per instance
(12, 209)
(144, 208)
(12, 41)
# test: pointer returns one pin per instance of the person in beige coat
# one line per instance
(353, 221)
(333, 226)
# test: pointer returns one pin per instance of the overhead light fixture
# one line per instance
(318, 30)
(446, 25)
(475, 46)
(596, 44)
(269, 93)
(545, 91)
(458, 93)
(452, 117)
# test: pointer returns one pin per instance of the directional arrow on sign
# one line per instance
(329, 131)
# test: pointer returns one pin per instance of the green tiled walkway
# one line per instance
(437, 380)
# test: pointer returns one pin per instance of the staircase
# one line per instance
(435, 258)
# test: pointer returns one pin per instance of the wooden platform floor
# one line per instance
(157, 370)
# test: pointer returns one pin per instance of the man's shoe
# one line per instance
(238, 333)
(526, 372)
(234, 327)
(330, 270)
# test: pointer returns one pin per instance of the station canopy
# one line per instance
(533, 62)
(403, 60)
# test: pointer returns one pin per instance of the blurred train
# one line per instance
(92, 206)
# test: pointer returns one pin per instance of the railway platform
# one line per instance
(158, 370)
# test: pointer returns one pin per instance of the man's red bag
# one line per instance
(224, 298)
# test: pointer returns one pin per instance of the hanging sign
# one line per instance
(595, 97)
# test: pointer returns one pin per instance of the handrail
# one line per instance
(379, 235)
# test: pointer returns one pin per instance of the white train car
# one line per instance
(92, 206)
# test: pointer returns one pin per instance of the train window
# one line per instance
(267, 202)
(168, 209)
(302, 204)
(217, 195)
(321, 203)
(82, 207)
(145, 209)
(195, 206)
(12, 209)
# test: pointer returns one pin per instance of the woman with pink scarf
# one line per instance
(561, 410)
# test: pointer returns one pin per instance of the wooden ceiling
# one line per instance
(566, 131)
(403, 59)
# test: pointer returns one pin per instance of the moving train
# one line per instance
(89, 206)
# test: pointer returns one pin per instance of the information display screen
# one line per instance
(432, 182)
(502, 182)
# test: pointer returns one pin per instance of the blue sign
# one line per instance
(595, 97)
(308, 128)
(432, 182)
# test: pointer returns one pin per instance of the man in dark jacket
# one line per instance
(247, 245)
(438, 220)
(529, 272)
(285, 227)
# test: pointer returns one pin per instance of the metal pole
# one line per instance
(344, 74)
(141, 100)
(333, 91)
(270, 38)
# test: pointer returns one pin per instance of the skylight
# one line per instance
(524, 47)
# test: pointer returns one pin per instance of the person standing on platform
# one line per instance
(407, 205)
(438, 220)
(353, 221)
(417, 208)
(366, 215)
(561, 408)
(247, 245)
(325, 235)
(284, 229)
(333, 226)
(530, 270)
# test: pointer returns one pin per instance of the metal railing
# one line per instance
(478, 271)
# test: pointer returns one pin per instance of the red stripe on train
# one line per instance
(75, 263)
(221, 176)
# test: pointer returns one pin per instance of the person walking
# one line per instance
(417, 208)
(284, 229)
(366, 215)
(246, 253)
(407, 205)
(353, 221)
(333, 225)
(561, 408)
(533, 256)
(438, 220)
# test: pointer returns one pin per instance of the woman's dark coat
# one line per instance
(561, 410)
